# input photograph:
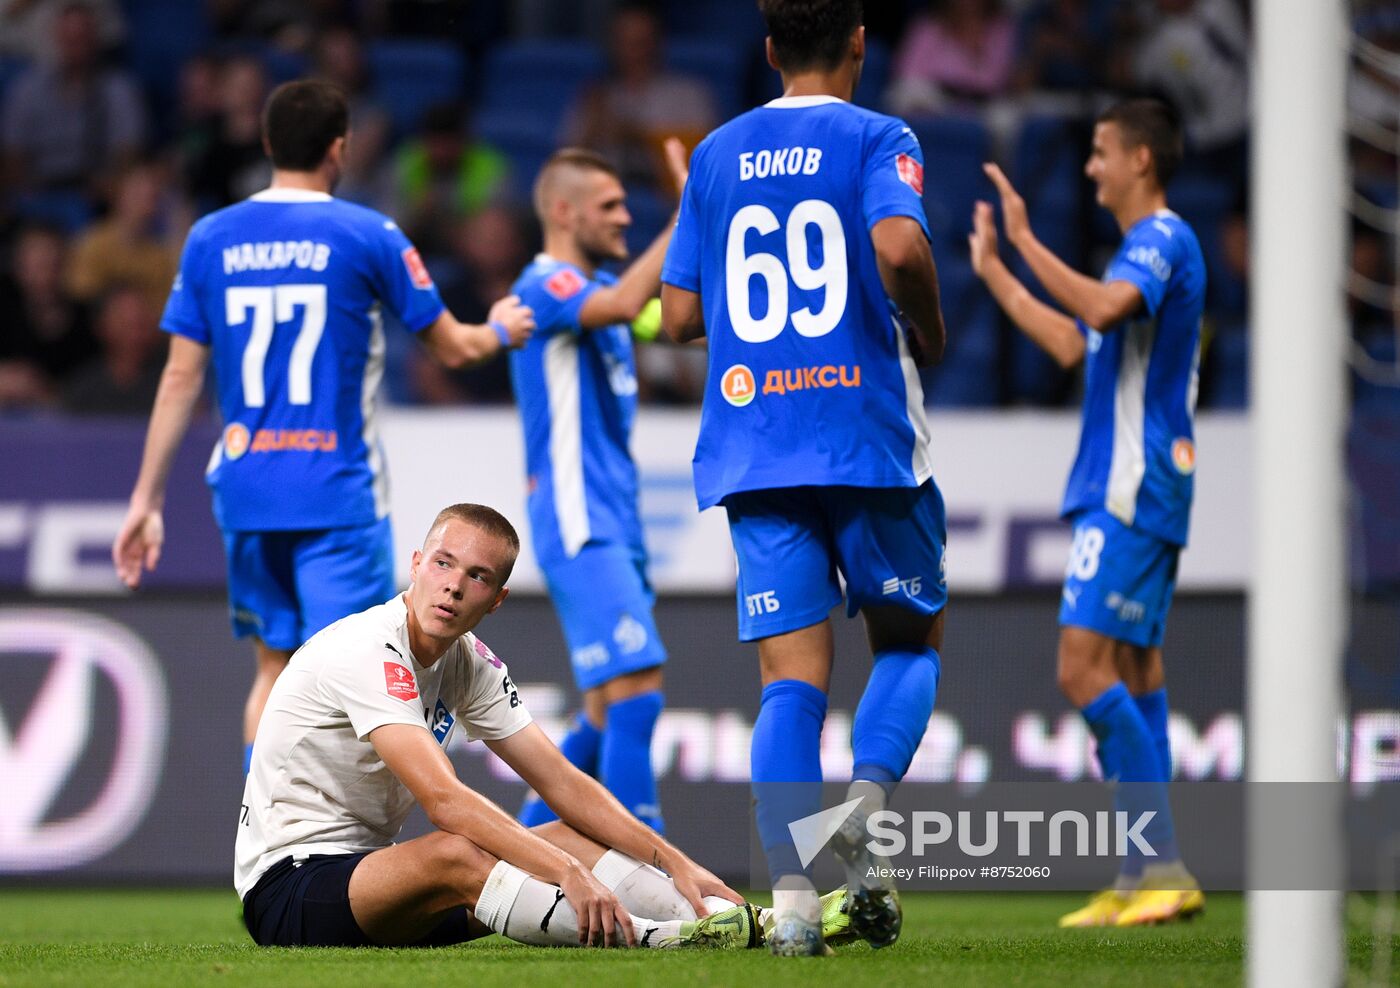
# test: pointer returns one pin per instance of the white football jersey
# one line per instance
(316, 785)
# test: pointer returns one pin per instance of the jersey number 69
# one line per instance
(831, 274)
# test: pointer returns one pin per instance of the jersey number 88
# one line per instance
(831, 274)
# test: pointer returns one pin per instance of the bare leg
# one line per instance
(399, 894)
(1087, 664)
(804, 655)
(1141, 668)
(270, 663)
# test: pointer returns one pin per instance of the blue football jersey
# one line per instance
(1137, 453)
(288, 288)
(577, 393)
(810, 379)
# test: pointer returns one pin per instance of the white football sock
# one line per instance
(642, 889)
(528, 910)
(715, 904)
(797, 895)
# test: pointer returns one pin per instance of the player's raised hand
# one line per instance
(1013, 207)
(677, 162)
(599, 912)
(137, 546)
(518, 319)
(695, 882)
(982, 241)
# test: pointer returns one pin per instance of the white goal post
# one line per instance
(1297, 598)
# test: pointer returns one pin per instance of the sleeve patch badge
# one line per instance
(483, 650)
(564, 284)
(417, 270)
(911, 173)
(399, 681)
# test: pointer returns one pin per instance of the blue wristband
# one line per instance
(501, 333)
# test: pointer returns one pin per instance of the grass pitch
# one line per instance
(193, 937)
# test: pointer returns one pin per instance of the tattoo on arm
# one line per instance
(655, 858)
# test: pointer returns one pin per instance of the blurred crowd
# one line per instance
(122, 122)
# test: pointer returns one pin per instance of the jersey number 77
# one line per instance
(271, 307)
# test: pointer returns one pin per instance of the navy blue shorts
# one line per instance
(307, 904)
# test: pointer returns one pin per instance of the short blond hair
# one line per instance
(566, 159)
(486, 519)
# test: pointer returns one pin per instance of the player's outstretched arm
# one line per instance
(1052, 331)
(1100, 305)
(638, 285)
(457, 344)
(585, 805)
(138, 544)
(906, 270)
(419, 763)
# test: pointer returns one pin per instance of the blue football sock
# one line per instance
(1154, 710)
(624, 762)
(893, 714)
(580, 747)
(1128, 756)
(786, 767)
(247, 757)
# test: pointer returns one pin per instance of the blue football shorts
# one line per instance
(604, 604)
(1119, 581)
(887, 543)
(283, 587)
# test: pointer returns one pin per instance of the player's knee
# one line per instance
(455, 860)
(631, 684)
(1072, 671)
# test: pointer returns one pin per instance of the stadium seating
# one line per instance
(411, 75)
(970, 373)
(733, 21)
(1226, 366)
(721, 64)
(538, 79)
(650, 212)
(161, 35)
(954, 149)
(1033, 376)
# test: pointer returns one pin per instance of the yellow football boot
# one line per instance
(1148, 907)
(1103, 910)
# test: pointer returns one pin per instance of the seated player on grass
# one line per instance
(354, 734)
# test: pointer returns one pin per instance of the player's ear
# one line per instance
(858, 44)
(501, 596)
(1142, 161)
(413, 566)
(772, 55)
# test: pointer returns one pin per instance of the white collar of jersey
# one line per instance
(797, 102)
(290, 195)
